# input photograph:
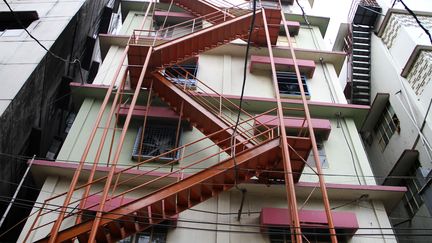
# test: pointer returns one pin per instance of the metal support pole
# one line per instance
(289, 180)
(312, 137)
(98, 216)
(2, 220)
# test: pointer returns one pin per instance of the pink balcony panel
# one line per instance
(307, 67)
(280, 217)
(92, 204)
(321, 126)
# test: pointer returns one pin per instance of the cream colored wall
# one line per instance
(345, 155)
(369, 215)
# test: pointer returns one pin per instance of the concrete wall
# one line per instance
(31, 80)
(385, 78)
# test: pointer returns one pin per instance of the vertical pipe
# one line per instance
(6, 212)
(98, 216)
(289, 180)
(312, 137)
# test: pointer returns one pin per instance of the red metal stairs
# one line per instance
(170, 200)
(196, 114)
(198, 8)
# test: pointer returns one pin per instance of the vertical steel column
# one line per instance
(60, 217)
(98, 216)
(312, 137)
(100, 148)
(289, 181)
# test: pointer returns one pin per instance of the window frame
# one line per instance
(321, 153)
(153, 125)
(387, 125)
(192, 68)
(288, 84)
(412, 199)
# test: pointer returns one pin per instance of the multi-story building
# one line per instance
(391, 66)
(156, 154)
(34, 99)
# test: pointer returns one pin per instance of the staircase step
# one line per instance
(362, 27)
(361, 58)
(362, 52)
(357, 39)
(360, 45)
(361, 34)
(361, 64)
(357, 69)
(360, 81)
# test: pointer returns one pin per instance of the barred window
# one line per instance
(158, 139)
(182, 74)
(288, 84)
(386, 126)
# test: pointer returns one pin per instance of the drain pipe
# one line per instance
(2, 220)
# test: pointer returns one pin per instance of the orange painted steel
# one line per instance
(323, 188)
(289, 181)
(154, 203)
(77, 173)
(96, 222)
(267, 148)
(102, 143)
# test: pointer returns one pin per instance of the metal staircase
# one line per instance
(359, 49)
(263, 152)
(360, 91)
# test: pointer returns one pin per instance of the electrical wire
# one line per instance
(417, 20)
(234, 134)
(75, 61)
(159, 217)
(26, 158)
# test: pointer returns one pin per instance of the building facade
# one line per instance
(165, 161)
(34, 102)
(397, 131)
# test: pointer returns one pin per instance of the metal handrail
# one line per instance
(188, 76)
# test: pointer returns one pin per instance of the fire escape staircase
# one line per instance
(255, 153)
(360, 51)
(161, 205)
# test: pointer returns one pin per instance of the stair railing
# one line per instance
(208, 97)
(48, 207)
(157, 37)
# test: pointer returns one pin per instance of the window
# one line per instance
(8, 21)
(283, 41)
(156, 234)
(158, 139)
(288, 84)
(322, 155)
(386, 126)
(183, 73)
(412, 199)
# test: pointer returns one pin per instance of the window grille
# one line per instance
(183, 73)
(158, 139)
(288, 84)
